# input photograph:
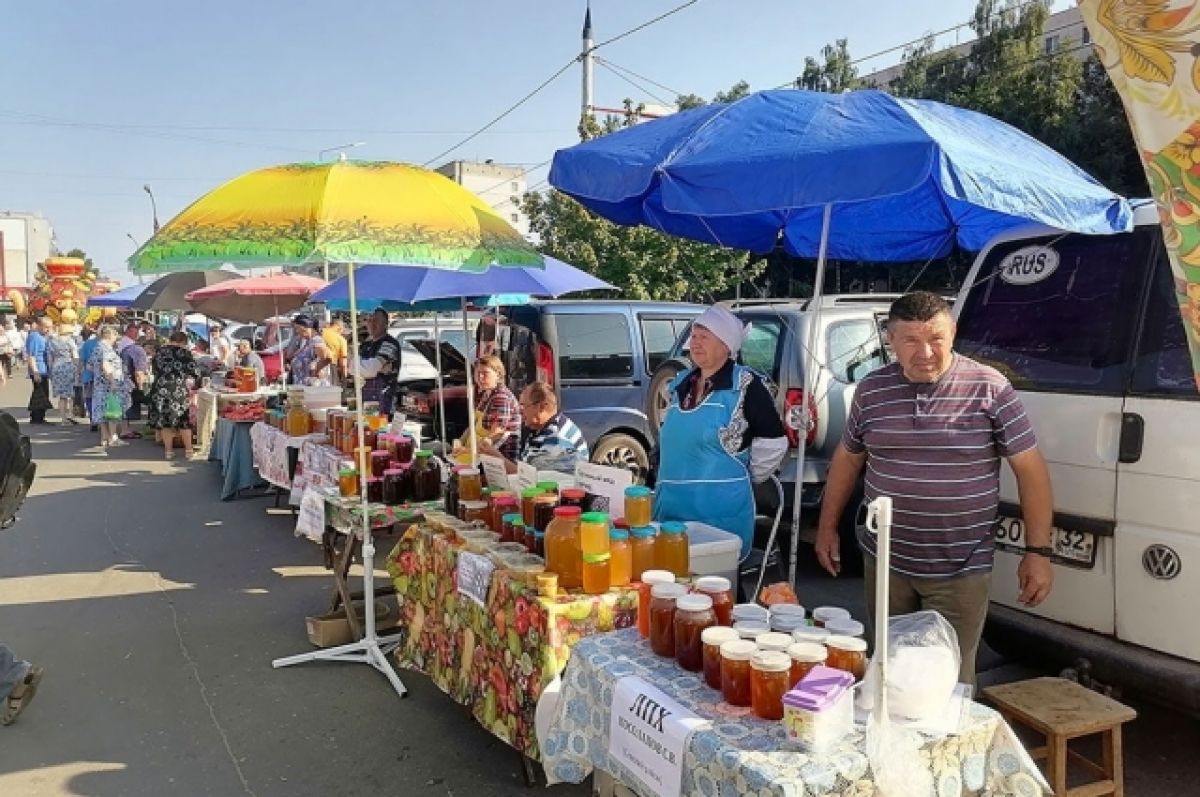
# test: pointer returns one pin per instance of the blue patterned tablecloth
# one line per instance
(231, 448)
(742, 755)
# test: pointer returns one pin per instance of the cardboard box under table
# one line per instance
(498, 657)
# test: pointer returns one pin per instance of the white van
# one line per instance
(1088, 329)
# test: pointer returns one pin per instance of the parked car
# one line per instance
(597, 354)
(850, 345)
(1089, 331)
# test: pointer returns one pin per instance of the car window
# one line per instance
(594, 346)
(853, 350)
(1068, 329)
(1164, 362)
(658, 336)
(760, 347)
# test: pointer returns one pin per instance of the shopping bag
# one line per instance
(112, 408)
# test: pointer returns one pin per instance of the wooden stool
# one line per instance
(1063, 710)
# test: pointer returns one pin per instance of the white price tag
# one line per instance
(474, 576)
(607, 484)
(493, 469)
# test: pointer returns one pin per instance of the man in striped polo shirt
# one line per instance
(549, 439)
(931, 429)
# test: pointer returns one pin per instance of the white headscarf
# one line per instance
(725, 325)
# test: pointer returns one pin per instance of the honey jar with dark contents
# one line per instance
(508, 532)
(711, 639)
(662, 617)
(769, 682)
(404, 449)
(572, 496)
(543, 510)
(375, 489)
(693, 614)
(527, 497)
(848, 654)
(805, 656)
(503, 504)
(647, 580)
(735, 671)
(720, 590)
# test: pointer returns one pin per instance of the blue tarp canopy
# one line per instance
(906, 179)
(118, 299)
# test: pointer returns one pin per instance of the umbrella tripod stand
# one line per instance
(371, 649)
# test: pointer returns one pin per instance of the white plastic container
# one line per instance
(713, 552)
(819, 711)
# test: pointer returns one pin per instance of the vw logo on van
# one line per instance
(1161, 562)
(1028, 265)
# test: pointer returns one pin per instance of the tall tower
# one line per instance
(586, 57)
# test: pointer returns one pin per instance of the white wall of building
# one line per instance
(500, 186)
(28, 240)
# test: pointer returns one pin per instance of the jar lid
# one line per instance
(773, 640)
(713, 584)
(693, 603)
(786, 624)
(808, 652)
(787, 610)
(824, 613)
(379, 454)
(393, 472)
(567, 511)
(748, 629)
(530, 492)
(750, 611)
(739, 650)
(348, 472)
(511, 518)
(504, 500)
(618, 534)
(810, 633)
(374, 479)
(596, 558)
(547, 486)
(574, 494)
(844, 627)
(594, 517)
(657, 577)
(673, 527)
(771, 661)
(718, 635)
(473, 504)
(643, 531)
(664, 590)
(637, 491)
(850, 643)
(424, 454)
(537, 535)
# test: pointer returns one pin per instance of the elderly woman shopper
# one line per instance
(497, 411)
(549, 439)
(309, 364)
(62, 356)
(721, 432)
(110, 390)
(175, 374)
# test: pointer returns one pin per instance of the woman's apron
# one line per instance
(698, 479)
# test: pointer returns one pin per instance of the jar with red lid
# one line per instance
(572, 496)
(563, 554)
(720, 590)
(662, 617)
(711, 640)
(693, 614)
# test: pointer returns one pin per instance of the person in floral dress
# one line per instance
(109, 379)
(63, 358)
(175, 375)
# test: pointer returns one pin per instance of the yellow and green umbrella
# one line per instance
(342, 212)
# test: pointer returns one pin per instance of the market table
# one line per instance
(231, 448)
(277, 455)
(209, 403)
(739, 754)
(496, 658)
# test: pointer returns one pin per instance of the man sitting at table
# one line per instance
(248, 358)
(549, 439)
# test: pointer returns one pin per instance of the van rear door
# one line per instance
(1056, 315)
(1158, 484)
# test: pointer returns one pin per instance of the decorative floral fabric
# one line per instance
(170, 400)
(344, 514)
(497, 658)
(270, 448)
(743, 755)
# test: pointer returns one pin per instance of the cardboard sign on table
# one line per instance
(310, 521)
(494, 472)
(474, 576)
(607, 484)
(648, 734)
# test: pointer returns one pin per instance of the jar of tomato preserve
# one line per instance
(647, 580)
(805, 656)
(848, 654)
(662, 617)
(711, 639)
(769, 682)
(693, 614)
(735, 671)
(721, 591)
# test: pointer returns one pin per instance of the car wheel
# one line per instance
(625, 452)
(656, 396)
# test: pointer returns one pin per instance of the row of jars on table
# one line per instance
(396, 472)
(735, 647)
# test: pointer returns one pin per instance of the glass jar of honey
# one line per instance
(693, 614)
(662, 617)
(735, 671)
(622, 559)
(647, 581)
(769, 682)
(572, 496)
(379, 463)
(543, 510)
(563, 555)
(641, 549)
(593, 533)
(362, 459)
(637, 505)
(470, 484)
(450, 504)
(671, 548)
(297, 422)
(805, 656)
(475, 511)
(427, 478)
(597, 573)
(375, 489)
(527, 497)
(720, 590)
(370, 436)
(508, 531)
(538, 546)
(711, 639)
(848, 654)
(348, 482)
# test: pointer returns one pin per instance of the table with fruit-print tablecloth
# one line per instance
(495, 658)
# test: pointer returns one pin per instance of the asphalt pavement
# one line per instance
(157, 609)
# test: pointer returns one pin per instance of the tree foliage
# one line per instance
(834, 73)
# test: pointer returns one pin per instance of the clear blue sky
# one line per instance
(100, 98)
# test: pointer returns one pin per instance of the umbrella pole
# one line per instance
(810, 387)
(369, 649)
(880, 518)
(470, 390)
(437, 354)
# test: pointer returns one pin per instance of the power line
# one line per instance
(643, 78)
(631, 82)
(644, 25)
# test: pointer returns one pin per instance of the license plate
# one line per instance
(1071, 548)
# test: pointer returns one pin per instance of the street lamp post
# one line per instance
(321, 154)
(129, 235)
(153, 205)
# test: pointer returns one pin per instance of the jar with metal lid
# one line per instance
(805, 656)
(597, 573)
(470, 484)
(693, 614)
(775, 641)
(720, 590)
(823, 613)
(711, 639)
(641, 549)
(735, 671)
(621, 564)
(647, 579)
(563, 554)
(769, 682)
(671, 548)
(848, 654)
(572, 496)
(662, 617)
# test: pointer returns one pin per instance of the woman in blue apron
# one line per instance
(721, 431)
